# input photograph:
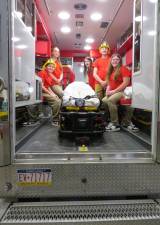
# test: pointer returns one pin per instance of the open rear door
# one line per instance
(5, 88)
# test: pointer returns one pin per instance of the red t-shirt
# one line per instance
(124, 72)
(91, 79)
(102, 65)
(47, 80)
(58, 69)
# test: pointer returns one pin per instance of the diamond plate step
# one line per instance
(81, 212)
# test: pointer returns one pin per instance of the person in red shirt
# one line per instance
(118, 78)
(88, 72)
(47, 82)
(58, 73)
(68, 76)
(100, 70)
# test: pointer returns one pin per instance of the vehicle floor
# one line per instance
(46, 140)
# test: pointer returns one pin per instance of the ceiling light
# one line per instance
(19, 14)
(89, 40)
(96, 16)
(64, 15)
(65, 29)
(87, 47)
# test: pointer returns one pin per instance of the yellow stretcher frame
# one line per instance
(3, 115)
(77, 108)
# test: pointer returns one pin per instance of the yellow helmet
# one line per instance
(104, 45)
(49, 61)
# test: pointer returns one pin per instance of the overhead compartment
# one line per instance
(43, 48)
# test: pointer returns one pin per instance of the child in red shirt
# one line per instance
(118, 78)
(47, 82)
(58, 73)
(88, 72)
(100, 70)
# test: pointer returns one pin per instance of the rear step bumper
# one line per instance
(93, 212)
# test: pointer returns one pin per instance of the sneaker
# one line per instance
(110, 124)
(112, 127)
(132, 127)
(55, 123)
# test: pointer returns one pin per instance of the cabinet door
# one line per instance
(144, 54)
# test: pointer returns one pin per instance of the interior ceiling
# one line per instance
(118, 13)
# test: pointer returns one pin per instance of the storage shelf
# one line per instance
(24, 103)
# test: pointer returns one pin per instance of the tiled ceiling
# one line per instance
(117, 16)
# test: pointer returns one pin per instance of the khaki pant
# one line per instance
(57, 89)
(111, 103)
(99, 91)
(54, 102)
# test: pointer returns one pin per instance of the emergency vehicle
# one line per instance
(111, 178)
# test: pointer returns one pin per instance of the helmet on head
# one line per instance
(49, 61)
(104, 45)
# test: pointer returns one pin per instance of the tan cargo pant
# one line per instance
(99, 91)
(57, 89)
(54, 102)
(111, 103)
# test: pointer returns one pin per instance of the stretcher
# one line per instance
(80, 111)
